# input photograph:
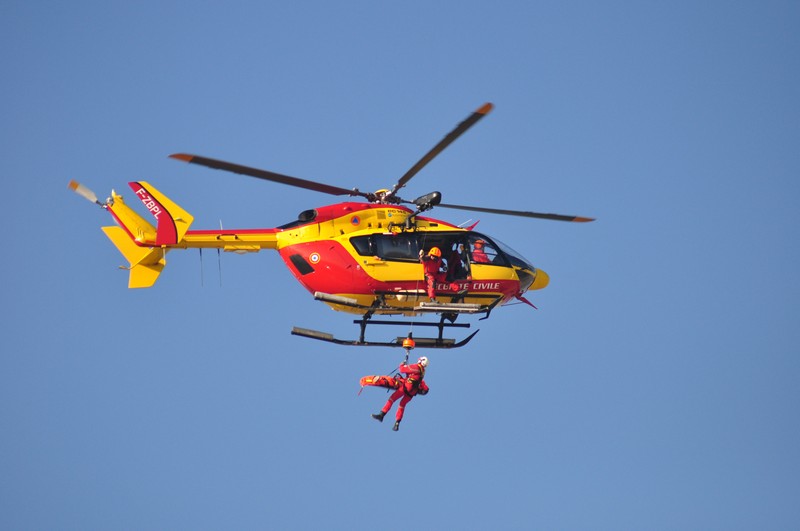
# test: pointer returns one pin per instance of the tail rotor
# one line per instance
(84, 192)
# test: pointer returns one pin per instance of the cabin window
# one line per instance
(397, 247)
(363, 245)
(402, 247)
(459, 250)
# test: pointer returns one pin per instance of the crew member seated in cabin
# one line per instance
(478, 253)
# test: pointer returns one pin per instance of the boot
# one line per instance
(379, 416)
(396, 426)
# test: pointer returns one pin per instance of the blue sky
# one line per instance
(655, 387)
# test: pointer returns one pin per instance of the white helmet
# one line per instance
(423, 361)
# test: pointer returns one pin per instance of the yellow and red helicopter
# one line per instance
(357, 257)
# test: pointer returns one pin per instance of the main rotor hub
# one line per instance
(381, 195)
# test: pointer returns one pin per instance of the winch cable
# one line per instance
(416, 288)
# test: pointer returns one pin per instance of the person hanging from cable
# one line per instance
(409, 387)
(432, 267)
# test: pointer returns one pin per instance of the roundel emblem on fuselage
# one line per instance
(314, 258)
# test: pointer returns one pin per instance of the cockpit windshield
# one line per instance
(515, 258)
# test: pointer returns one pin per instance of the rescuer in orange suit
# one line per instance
(431, 264)
(478, 254)
(412, 386)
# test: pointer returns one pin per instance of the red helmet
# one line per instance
(479, 243)
(435, 251)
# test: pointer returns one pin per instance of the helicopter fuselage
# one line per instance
(359, 250)
(367, 253)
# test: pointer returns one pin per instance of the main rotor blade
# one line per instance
(522, 213)
(460, 129)
(266, 175)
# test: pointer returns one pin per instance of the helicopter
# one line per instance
(358, 256)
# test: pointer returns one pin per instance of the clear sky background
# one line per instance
(655, 388)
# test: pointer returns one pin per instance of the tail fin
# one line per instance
(142, 245)
(173, 221)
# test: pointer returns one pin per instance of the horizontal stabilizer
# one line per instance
(145, 263)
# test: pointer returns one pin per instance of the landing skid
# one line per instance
(421, 342)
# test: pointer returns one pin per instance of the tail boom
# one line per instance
(231, 240)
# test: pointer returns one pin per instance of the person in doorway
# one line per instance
(432, 267)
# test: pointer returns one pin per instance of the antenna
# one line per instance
(219, 258)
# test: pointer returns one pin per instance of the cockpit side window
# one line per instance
(483, 251)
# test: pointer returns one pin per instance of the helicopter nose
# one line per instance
(541, 280)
